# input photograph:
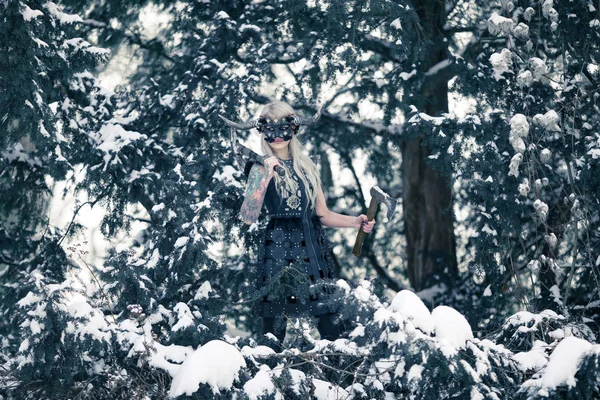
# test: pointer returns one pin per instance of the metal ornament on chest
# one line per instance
(293, 201)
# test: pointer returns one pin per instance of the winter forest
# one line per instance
(126, 270)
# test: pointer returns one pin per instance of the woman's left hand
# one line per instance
(363, 222)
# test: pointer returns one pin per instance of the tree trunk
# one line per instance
(427, 196)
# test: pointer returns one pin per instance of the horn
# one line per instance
(244, 125)
(313, 119)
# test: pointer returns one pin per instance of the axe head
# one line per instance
(384, 198)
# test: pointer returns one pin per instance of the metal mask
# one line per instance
(283, 128)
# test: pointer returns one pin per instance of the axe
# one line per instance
(377, 196)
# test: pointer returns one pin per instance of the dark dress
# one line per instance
(295, 269)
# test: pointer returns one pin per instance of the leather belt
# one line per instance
(286, 215)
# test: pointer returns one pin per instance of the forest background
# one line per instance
(480, 117)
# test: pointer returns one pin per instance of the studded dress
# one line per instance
(295, 269)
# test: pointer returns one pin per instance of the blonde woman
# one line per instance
(295, 269)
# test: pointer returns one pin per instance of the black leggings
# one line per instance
(326, 327)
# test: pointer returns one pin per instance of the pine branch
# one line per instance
(91, 203)
(380, 46)
(153, 45)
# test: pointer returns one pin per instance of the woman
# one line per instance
(294, 260)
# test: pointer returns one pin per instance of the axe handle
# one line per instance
(360, 237)
(278, 170)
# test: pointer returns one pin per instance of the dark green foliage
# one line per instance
(156, 151)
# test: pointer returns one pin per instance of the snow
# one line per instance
(438, 67)
(29, 299)
(409, 305)
(359, 331)
(528, 321)
(159, 355)
(427, 117)
(533, 359)
(216, 364)
(430, 293)
(327, 391)
(521, 30)
(524, 187)
(80, 44)
(64, 18)
(529, 13)
(486, 228)
(158, 207)
(251, 27)
(451, 329)
(546, 7)
(396, 24)
(34, 325)
(400, 368)
(545, 155)
(184, 317)
(518, 144)
(257, 352)
(498, 24)
(222, 15)
(40, 43)
(415, 372)
(519, 127)
(167, 100)
(298, 377)
(24, 345)
(181, 241)
(537, 67)
(362, 292)
(203, 291)
(154, 259)
(342, 284)
(112, 138)
(96, 325)
(549, 121)
(407, 75)
(29, 14)
(515, 162)
(228, 176)
(524, 79)
(551, 239)
(563, 364)
(261, 385)
(541, 209)
(501, 63)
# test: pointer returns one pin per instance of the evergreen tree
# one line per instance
(150, 321)
(535, 155)
(50, 99)
(526, 163)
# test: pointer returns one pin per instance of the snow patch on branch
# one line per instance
(216, 364)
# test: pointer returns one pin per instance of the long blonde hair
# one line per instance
(303, 165)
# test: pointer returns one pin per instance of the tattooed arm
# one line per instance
(258, 180)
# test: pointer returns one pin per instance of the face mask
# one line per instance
(283, 128)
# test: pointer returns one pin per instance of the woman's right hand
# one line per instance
(270, 163)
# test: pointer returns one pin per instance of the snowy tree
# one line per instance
(50, 99)
(151, 319)
(534, 156)
(525, 162)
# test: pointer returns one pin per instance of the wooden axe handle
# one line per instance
(360, 237)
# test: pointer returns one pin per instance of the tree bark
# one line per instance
(427, 196)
